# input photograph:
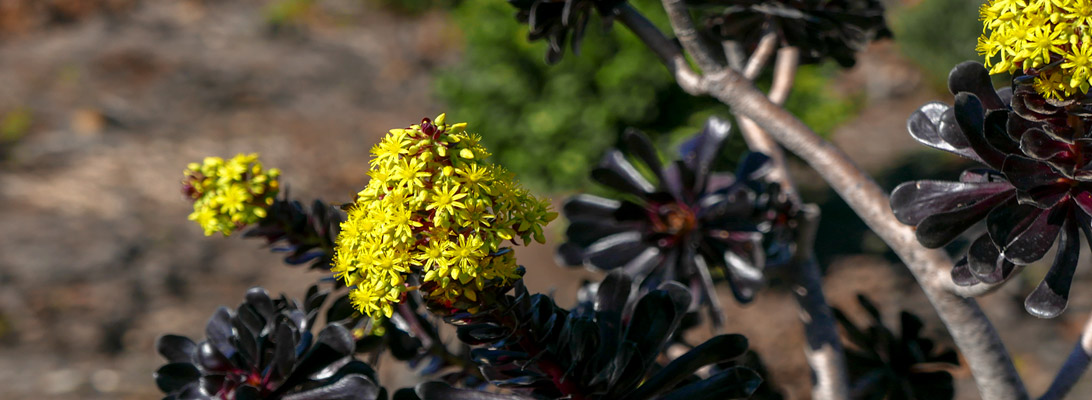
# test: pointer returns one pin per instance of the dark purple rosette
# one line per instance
(562, 22)
(835, 29)
(895, 364)
(610, 346)
(265, 349)
(1032, 189)
(692, 226)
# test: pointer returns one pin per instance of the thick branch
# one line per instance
(668, 51)
(1074, 366)
(688, 35)
(757, 139)
(824, 350)
(733, 52)
(971, 330)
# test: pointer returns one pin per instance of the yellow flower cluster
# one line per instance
(1050, 38)
(228, 195)
(434, 209)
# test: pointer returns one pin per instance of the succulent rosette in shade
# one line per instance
(692, 226)
(609, 347)
(902, 366)
(1032, 190)
(265, 349)
(562, 21)
(821, 29)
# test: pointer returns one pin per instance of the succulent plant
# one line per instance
(1044, 40)
(1033, 189)
(907, 366)
(562, 21)
(607, 350)
(821, 29)
(230, 194)
(264, 349)
(307, 235)
(693, 226)
(435, 216)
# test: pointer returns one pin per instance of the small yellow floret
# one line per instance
(1048, 39)
(228, 195)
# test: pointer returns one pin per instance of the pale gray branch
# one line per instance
(989, 361)
(761, 56)
(668, 51)
(688, 35)
(733, 52)
(824, 349)
(974, 334)
(757, 139)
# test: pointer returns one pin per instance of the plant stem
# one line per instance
(993, 370)
(1074, 366)
(824, 351)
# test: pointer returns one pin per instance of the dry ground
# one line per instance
(96, 255)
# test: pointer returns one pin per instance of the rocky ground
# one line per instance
(102, 104)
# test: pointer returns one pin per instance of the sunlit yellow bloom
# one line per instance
(1048, 39)
(435, 207)
(228, 195)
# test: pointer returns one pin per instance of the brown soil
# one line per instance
(97, 257)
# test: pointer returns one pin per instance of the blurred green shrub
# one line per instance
(287, 12)
(550, 124)
(14, 125)
(938, 34)
(414, 6)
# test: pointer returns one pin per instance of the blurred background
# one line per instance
(104, 102)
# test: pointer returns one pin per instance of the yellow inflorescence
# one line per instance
(434, 208)
(1050, 37)
(230, 194)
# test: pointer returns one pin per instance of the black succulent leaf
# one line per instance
(768, 390)
(607, 350)
(265, 349)
(692, 226)
(562, 21)
(821, 29)
(883, 365)
(411, 335)
(1033, 187)
(308, 235)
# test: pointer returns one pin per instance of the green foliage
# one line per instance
(550, 124)
(14, 125)
(413, 6)
(938, 34)
(816, 103)
(286, 12)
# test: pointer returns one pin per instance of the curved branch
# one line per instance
(1074, 366)
(760, 141)
(733, 52)
(824, 350)
(688, 35)
(989, 361)
(761, 56)
(668, 51)
(974, 334)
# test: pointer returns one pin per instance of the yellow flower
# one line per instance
(228, 195)
(435, 208)
(444, 200)
(1048, 39)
